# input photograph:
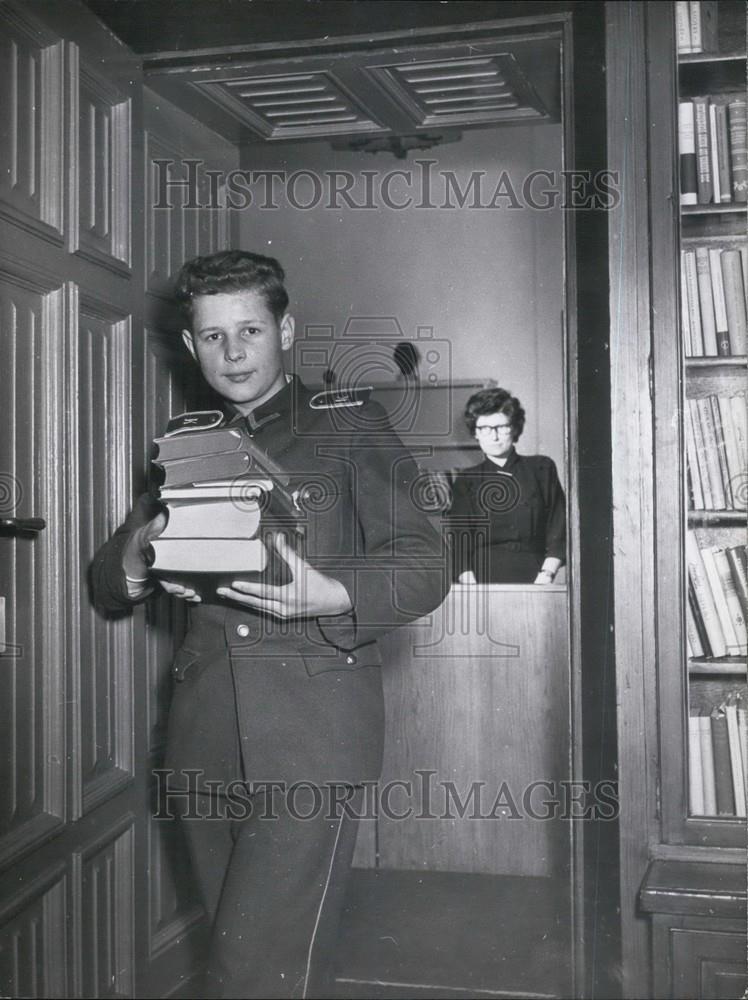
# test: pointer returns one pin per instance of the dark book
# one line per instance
(190, 444)
(736, 557)
(703, 25)
(687, 154)
(722, 765)
(723, 150)
(226, 465)
(705, 188)
(698, 620)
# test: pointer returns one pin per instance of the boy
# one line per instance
(278, 687)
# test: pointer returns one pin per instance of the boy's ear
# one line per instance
(189, 343)
(287, 327)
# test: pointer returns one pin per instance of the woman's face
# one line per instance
(493, 432)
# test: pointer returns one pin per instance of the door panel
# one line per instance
(31, 118)
(32, 739)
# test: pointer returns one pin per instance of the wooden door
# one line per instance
(70, 290)
(94, 897)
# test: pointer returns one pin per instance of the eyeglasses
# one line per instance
(493, 429)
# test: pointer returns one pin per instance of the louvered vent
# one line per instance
(293, 106)
(462, 91)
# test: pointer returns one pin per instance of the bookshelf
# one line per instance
(712, 296)
(683, 868)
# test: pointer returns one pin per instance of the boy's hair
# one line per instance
(232, 271)
(495, 400)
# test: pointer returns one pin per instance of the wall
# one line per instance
(487, 280)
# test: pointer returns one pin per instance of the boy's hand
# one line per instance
(134, 561)
(308, 595)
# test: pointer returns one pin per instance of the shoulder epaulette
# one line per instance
(333, 398)
(195, 420)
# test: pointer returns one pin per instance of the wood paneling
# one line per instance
(478, 693)
(100, 174)
(104, 913)
(33, 952)
(32, 741)
(101, 650)
(31, 124)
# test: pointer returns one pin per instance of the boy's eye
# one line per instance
(250, 329)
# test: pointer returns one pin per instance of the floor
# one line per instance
(446, 934)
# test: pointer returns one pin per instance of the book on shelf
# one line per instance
(736, 557)
(716, 603)
(714, 310)
(717, 745)
(704, 597)
(712, 150)
(696, 25)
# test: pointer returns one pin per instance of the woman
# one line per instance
(507, 521)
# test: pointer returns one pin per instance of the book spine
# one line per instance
(708, 19)
(735, 471)
(698, 434)
(695, 774)
(720, 601)
(723, 155)
(685, 315)
(694, 12)
(683, 25)
(687, 150)
(739, 576)
(704, 186)
(736, 762)
(743, 732)
(698, 620)
(736, 116)
(694, 313)
(716, 488)
(708, 776)
(715, 157)
(706, 302)
(737, 319)
(737, 407)
(720, 308)
(722, 768)
(693, 462)
(719, 436)
(734, 608)
(704, 599)
(696, 650)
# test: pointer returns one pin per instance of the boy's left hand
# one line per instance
(308, 595)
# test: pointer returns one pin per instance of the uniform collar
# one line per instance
(282, 402)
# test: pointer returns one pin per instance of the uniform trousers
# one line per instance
(273, 884)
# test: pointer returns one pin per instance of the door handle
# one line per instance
(23, 525)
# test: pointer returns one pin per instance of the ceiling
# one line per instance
(244, 67)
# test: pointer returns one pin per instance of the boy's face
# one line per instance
(239, 345)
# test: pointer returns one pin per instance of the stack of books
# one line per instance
(712, 148)
(716, 449)
(696, 25)
(717, 600)
(717, 758)
(714, 289)
(223, 497)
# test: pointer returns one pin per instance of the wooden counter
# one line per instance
(477, 692)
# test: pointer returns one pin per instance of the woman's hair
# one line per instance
(495, 401)
(233, 271)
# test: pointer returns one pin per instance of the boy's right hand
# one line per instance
(135, 559)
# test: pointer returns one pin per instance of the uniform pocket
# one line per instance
(338, 659)
(184, 659)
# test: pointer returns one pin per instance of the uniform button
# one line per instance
(242, 630)
(350, 659)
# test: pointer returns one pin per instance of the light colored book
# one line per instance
(685, 313)
(208, 555)
(698, 435)
(711, 457)
(706, 302)
(703, 594)
(736, 761)
(693, 461)
(730, 593)
(695, 776)
(708, 777)
(694, 311)
(720, 307)
(716, 585)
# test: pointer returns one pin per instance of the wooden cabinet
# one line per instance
(682, 859)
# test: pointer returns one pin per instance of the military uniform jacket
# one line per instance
(266, 700)
(504, 520)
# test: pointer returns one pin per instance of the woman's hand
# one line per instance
(308, 595)
(467, 576)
